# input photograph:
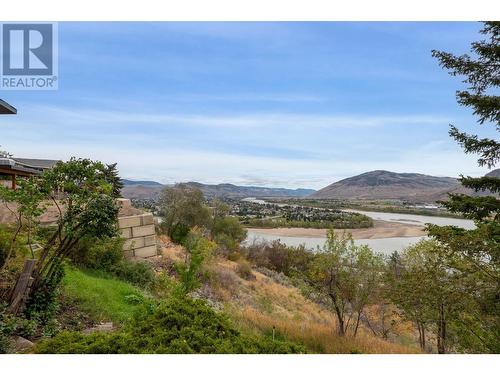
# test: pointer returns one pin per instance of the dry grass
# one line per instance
(259, 303)
(318, 337)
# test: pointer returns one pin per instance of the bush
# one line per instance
(42, 305)
(97, 254)
(228, 233)
(179, 233)
(139, 273)
(107, 255)
(6, 235)
(278, 257)
(178, 325)
(244, 270)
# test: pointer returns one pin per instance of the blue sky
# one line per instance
(268, 104)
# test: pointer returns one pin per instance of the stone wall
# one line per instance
(139, 232)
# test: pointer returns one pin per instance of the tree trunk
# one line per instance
(357, 323)
(421, 334)
(338, 312)
(441, 339)
(20, 291)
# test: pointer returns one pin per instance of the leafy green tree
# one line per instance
(198, 250)
(80, 191)
(346, 277)
(181, 208)
(475, 254)
(25, 203)
(226, 230)
(431, 294)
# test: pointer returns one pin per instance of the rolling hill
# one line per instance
(389, 185)
(152, 189)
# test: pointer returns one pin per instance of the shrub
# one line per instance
(278, 257)
(179, 233)
(225, 280)
(6, 235)
(178, 325)
(244, 270)
(139, 273)
(98, 253)
(107, 255)
(199, 249)
(42, 305)
(228, 233)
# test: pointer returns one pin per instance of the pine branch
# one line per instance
(491, 184)
(475, 208)
(488, 149)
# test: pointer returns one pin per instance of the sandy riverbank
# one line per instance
(380, 229)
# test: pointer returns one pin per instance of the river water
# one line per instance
(381, 245)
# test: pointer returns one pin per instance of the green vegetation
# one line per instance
(346, 277)
(198, 249)
(474, 255)
(182, 208)
(106, 254)
(81, 192)
(100, 295)
(177, 325)
(269, 215)
(352, 221)
(391, 206)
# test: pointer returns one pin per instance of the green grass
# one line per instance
(101, 296)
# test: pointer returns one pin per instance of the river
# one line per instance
(381, 245)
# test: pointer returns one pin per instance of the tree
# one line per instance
(476, 253)
(27, 207)
(226, 230)
(182, 208)
(345, 276)
(82, 195)
(429, 293)
(112, 176)
(198, 250)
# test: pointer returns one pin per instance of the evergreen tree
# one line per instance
(113, 178)
(476, 253)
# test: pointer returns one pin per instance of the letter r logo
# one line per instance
(27, 49)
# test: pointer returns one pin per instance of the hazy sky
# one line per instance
(274, 104)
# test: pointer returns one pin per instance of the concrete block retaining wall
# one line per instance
(139, 232)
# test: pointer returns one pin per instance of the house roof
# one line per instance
(6, 108)
(36, 163)
(10, 166)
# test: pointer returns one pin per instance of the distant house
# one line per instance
(11, 168)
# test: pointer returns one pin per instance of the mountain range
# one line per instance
(152, 189)
(379, 184)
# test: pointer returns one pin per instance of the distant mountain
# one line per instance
(389, 185)
(152, 189)
(493, 173)
(234, 191)
(142, 183)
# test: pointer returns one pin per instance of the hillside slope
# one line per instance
(389, 185)
(151, 190)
